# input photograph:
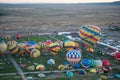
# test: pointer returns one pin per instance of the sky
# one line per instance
(54, 1)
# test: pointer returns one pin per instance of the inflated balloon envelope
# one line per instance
(3, 47)
(54, 48)
(12, 47)
(73, 56)
(90, 35)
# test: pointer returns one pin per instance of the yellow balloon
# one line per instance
(35, 53)
(12, 47)
(61, 67)
(93, 71)
(70, 45)
(40, 67)
(54, 47)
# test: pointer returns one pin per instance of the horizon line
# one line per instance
(51, 2)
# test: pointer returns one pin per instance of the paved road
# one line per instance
(19, 70)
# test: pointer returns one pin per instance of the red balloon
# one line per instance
(18, 36)
(105, 62)
(117, 56)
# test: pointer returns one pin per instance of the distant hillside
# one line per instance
(116, 3)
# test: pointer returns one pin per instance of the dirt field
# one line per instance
(58, 17)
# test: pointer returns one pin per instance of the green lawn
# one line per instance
(15, 77)
(59, 58)
(6, 66)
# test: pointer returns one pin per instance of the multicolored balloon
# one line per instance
(3, 47)
(40, 67)
(12, 47)
(60, 43)
(89, 49)
(54, 47)
(21, 47)
(7, 37)
(47, 43)
(70, 45)
(90, 35)
(30, 46)
(73, 56)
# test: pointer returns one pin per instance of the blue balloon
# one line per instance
(65, 63)
(49, 62)
(85, 63)
(117, 76)
(30, 43)
(76, 66)
(82, 72)
(69, 73)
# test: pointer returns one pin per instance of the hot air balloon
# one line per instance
(3, 47)
(30, 46)
(12, 47)
(40, 67)
(117, 56)
(61, 67)
(85, 63)
(42, 45)
(106, 69)
(39, 47)
(21, 47)
(70, 45)
(54, 47)
(89, 49)
(51, 62)
(60, 43)
(7, 37)
(69, 73)
(35, 53)
(31, 68)
(92, 63)
(82, 72)
(105, 62)
(93, 70)
(47, 43)
(18, 36)
(73, 56)
(90, 35)
(98, 63)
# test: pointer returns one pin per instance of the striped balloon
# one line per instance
(70, 45)
(35, 53)
(21, 47)
(73, 56)
(12, 47)
(90, 35)
(54, 48)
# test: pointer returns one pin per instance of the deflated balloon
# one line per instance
(54, 48)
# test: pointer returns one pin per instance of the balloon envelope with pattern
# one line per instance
(73, 56)
(90, 34)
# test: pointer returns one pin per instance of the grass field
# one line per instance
(59, 58)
